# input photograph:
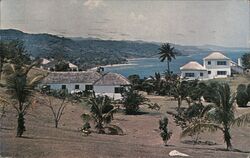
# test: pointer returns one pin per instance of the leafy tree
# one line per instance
(167, 52)
(20, 85)
(132, 101)
(165, 133)
(62, 65)
(221, 116)
(246, 60)
(101, 114)
(242, 96)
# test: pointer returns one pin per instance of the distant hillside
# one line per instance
(90, 52)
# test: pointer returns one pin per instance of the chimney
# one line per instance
(239, 62)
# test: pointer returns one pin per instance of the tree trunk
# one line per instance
(179, 103)
(168, 67)
(56, 123)
(227, 138)
(20, 125)
(1, 67)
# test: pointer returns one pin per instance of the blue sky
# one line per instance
(187, 22)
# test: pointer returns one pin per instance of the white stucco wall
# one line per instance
(214, 68)
(70, 87)
(196, 74)
(107, 90)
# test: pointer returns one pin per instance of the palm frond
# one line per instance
(114, 129)
(199, 127)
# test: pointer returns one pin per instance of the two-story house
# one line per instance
(217, 65)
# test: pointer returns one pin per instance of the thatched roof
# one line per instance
(192, 65)
(71, 77)
(216, 55)
(110, 79)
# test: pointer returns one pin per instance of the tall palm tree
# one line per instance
(20, 85)
(167, 52)
(221, 116)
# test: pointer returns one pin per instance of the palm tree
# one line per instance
(157, 82)
(221, 116)
(101, 113)
(167, 52)
(20, 85)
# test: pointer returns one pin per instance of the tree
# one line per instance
(20, 85)
(132, 101)
(157, 83)
(101, 114)
(165, 133)
(246, 60)
(242, 96)
(3, 103)
(61, 65)
(221, 116)
(179, 89)
(56, 101)
(167, 52)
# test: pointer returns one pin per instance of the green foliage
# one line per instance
(165, 133)
(101, 112)
(167, 52)
(246, 60)
(132, 101)
(20, 86)
(243, 95)
(220, 115)
(62, 66)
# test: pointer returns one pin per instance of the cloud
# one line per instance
(137, 17)
(91, 4)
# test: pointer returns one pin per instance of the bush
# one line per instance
(242, 96)
(165, 133)
(132, 101)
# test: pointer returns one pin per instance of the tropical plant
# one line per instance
(62, 65)
(20, 85)
(101, 114)
(221, 116)
(165, 133)
(157, 82)
(167, 52)
(56, 101)
(132, 100)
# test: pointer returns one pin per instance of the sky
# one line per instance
(187, 22)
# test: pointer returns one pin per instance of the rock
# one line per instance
(177, 153)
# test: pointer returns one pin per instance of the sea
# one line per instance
(146, 67)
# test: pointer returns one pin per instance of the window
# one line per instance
(209, 72)
(88, 87)
(221, 62)
(189, 74)
(63, 86)
(201, 74)
(221, 73)
(208, 62)
(118, 89)
(77, 86)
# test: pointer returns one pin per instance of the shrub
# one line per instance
(242, 96)
(165, 133)
(132, 101)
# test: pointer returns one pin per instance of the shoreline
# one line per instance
(114, 65)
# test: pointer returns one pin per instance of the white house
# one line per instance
(71, 80)
(109, 84)
(193, 70)
(215, 65)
